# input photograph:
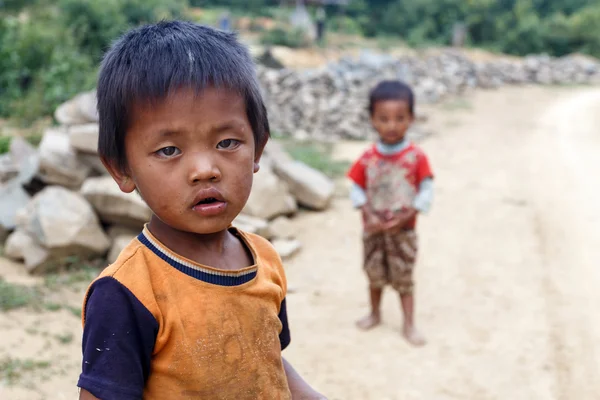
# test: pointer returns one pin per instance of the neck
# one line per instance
(194, 246)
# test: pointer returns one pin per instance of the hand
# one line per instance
(372, 222)
(400, 220)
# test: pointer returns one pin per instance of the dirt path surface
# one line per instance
(506, 283)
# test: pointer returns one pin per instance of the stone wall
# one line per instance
(330, 102)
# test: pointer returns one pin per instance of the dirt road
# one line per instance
(506, 284)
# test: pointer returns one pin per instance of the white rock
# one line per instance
(8, 168)
(26, 157)
(64, 223)
(310, 187)
(269, 196)
(12, 198)
(252, 224)
(286, 248)
(59, 164)
(119, 243)
(114, 206)
(93, 162)
(84, 137)
(20, 246)
(119, 230)
(79, 110)
(282, 228)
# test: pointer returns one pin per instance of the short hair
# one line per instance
(392, 90)
(148, 63)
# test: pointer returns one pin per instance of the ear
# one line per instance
(126, 184)
(257, 155)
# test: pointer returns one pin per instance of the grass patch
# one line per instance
(65, 338)
(318, 156)
(72, 275)
(52, 306)
(76, 311)
(5, 144)
(16, 296)
(11, 370)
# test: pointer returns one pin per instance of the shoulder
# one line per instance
(369, 154)
(131, 274)
(417, 150)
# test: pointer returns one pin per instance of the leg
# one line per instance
(409, 330)
(402, 250)
(373, 319)
(374, 265)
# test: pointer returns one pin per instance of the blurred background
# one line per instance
(507, 98)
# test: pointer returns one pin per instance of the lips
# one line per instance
(209, 202)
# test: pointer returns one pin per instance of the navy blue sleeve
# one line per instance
(284, 336)
(118, 340)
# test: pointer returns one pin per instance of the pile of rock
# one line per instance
(330, 102)
(57, 201)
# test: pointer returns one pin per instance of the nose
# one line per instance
(203, 168)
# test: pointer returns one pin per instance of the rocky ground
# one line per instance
(506, 284)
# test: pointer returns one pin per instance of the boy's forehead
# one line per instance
(187, 97)
(392, 105)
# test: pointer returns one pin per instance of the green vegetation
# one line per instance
(65, 338)
(15, 296)
(50, 49)
(317, 155)
(5, 144)
(11, 370)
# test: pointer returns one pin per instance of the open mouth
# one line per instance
(209, 200)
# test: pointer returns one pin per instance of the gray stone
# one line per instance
(119, 243)
(311, 188)
(64, 223)
(286, 248)
(112, 205)
(26, 158)
(119, 230)
(252, 224)
(79, 110)
(8, 168)
(21, 246)
(84, 137)
(12, 198)
(282, 228)
(59, 164)
(93, 162)
(269, 197)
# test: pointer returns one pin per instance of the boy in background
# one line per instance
(392, 183)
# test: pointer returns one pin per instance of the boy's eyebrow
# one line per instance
(225, 126)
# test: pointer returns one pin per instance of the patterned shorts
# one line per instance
(389, 258)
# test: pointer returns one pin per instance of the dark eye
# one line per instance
(169, 151)
(228, 144)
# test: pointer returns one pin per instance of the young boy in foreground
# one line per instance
(392, 183)
(192, 308)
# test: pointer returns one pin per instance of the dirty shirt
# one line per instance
(159, 326)
(390, 181)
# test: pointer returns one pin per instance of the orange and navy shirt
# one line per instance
(391, 181)
(159, 326)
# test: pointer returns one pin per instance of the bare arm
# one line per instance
(298, 387)
(85, 395)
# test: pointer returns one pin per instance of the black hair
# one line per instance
(392, 90)
(148, 63)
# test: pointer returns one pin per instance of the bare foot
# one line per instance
(368, 322)
(413, 336)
